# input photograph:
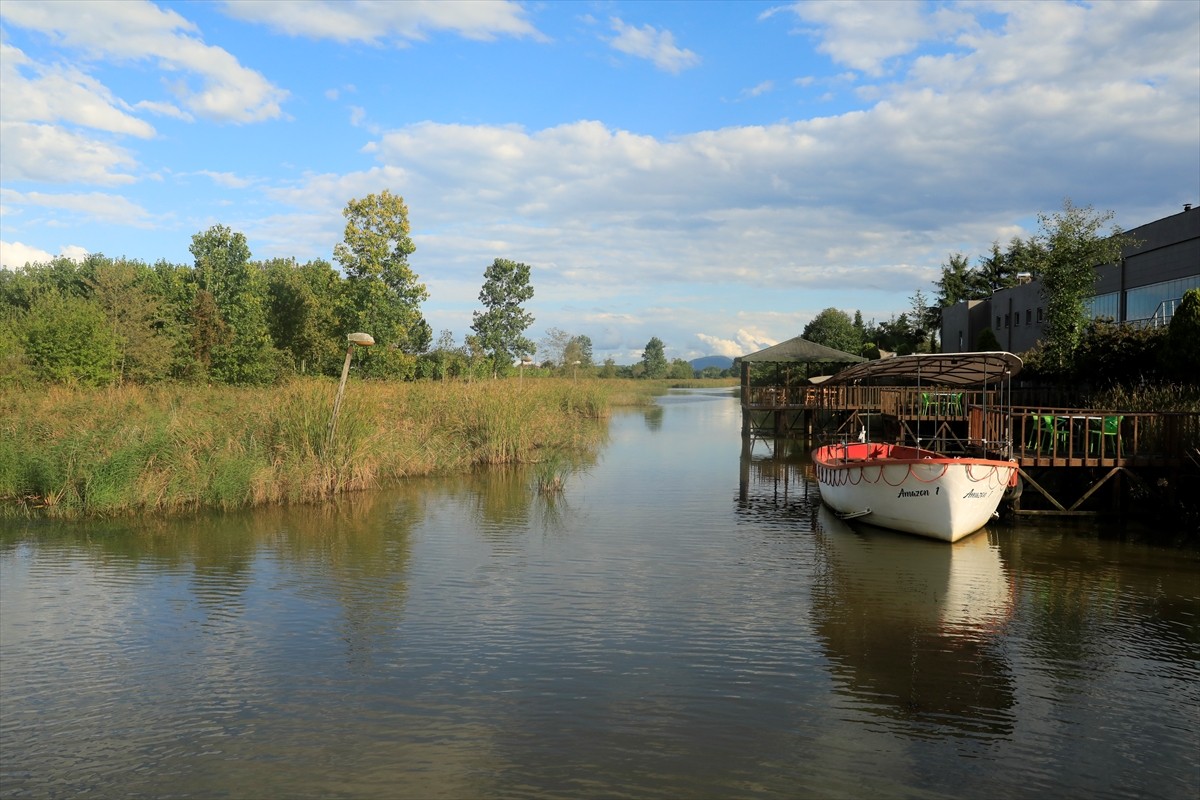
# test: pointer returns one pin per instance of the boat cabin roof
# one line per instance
(946, 369)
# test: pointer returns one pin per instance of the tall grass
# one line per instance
(75, 452)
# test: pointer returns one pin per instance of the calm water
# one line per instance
(684, 621)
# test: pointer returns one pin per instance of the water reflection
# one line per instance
(911, 626)
(651, 632)
(773, 472)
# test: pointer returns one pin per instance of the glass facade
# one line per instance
(1105, 305)
(1146, 302)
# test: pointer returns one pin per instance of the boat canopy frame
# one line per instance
(944, 369)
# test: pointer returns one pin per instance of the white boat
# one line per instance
(913, 489)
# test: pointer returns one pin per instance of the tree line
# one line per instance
(227, 319)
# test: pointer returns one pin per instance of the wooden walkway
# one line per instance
(1066, 454)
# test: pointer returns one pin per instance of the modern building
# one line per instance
(1144, 289)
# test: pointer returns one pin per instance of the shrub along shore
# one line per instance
(74, 452)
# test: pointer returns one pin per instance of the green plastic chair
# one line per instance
(956, 404)
(926, 403)
(1042, 433)
(1108, 431)
(1033, 438)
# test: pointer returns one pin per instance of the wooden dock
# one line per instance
(1066, 455)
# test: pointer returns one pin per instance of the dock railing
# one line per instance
(1101, 437)
(1040, 435)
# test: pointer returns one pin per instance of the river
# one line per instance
(684, 620)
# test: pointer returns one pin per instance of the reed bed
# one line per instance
(162, 449)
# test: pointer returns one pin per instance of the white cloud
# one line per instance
(358, 21)
(140, 31)
(55, 155)
(653, 45)
(760, 89)
(745, 341)
(61, 93)
(865, 35)
(226, 179)
(15, 255)
(92, 206)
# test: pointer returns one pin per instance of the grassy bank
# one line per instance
(79, 452)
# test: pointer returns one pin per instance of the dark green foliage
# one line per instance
(1181, 352)
(240, 350)
(302, 310)
(987, 341)
(1112, 355)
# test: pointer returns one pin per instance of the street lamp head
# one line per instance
(361, 339)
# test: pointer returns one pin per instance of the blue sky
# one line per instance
(713, 174)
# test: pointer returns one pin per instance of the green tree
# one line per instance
(925, 320)
(245, 355)
(834, 328)
(987, 342)
(1182, 351)
(68, 338)
(1074, 246)
(680, 370)
(579, 349)
(654, 359)
(175, 287)
(502, 324)
(144, 334)
(998, 270)
(302, 311)
(383, 295)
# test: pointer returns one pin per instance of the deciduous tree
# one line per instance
(501, 325)
(654, 359)
(834, 328)
(245, 355)
(383, 293)
(1074, 244)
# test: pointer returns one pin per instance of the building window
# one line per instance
(1157, 302)
(1040, 315)
(1029, 316)
(997, 322)
(1007, 318)
(1104, 306)
(1017, 319)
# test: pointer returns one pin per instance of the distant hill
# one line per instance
(720, 362)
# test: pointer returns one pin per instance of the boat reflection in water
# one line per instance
(911, 627)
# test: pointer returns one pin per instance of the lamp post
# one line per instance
(354, 339)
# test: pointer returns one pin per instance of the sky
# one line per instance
(714, 174)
